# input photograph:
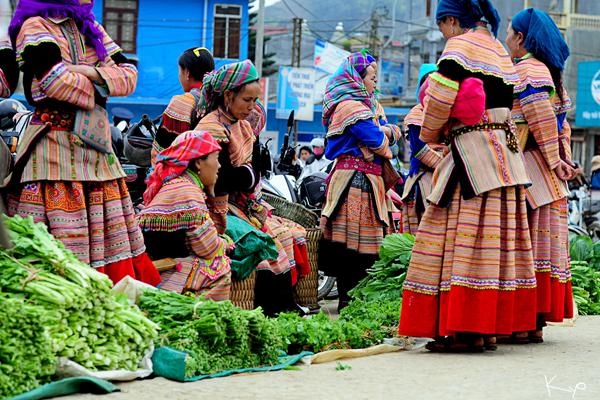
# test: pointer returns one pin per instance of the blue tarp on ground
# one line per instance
(69, 386)
(170, 363)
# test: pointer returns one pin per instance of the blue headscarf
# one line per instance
(542, 37)
(469, 12)
(425, 69)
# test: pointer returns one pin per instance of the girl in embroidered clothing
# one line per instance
(9, 69)
(64, 176)
(176, 221)
(230, 98)
(540, 107)
(471, 272)
(423, 161)
(355, 218)
(183, 112)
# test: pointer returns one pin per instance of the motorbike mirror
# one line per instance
(7, 123)
(395, 151)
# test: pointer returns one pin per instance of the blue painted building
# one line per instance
(154, 33)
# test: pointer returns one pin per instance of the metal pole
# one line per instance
(388, 41)
(260, 34)
(205, 23)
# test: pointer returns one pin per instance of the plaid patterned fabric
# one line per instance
(346, 84)
(225, 78)
(173, 161)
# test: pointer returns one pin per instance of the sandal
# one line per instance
(451, 345)
(535, 339)
(488, 345)
(512, 339)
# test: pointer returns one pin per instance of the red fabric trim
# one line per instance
(139, 268)
(196, 86)
(554, 299)
(175, 126)
(464, 309)
(302, 263)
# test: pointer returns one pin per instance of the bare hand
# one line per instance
(108, 62)
(575, 169)
(387, 130)
(563, 171)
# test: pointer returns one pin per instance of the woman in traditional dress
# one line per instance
(355, 218)
(540, 107)
(230, 96)
(9, 69)
(178, 218)
(396, 134)
(423, 161)
(66, 175)
(471, 272)
(183, 112)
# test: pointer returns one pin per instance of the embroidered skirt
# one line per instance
(95, 220)
(175, 280)
(357, 223)
(551, 258)
(471, 268)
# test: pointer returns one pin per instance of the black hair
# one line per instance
(424, 78)
(363, 73)
(198, 65)
(305, 148)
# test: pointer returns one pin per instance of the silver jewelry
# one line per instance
(453, 29)
(518, 46)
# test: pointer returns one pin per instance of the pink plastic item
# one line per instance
(469, 105)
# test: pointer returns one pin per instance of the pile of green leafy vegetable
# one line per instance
(585, 274)
(26, 357)
(361, 325)
(217, 335)
(89, 324)
(386, 277)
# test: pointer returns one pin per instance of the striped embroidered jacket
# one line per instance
(481, 158)
(58, 155)
(544, 133)
(182, 205)
(238, 135)
(346, 114)
(176, 120)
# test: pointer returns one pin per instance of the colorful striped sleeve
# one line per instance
(439, 99)
(539, 113)
(205, 241)
(60, 84)
(4, 88)
(564, 137)
(429, 157)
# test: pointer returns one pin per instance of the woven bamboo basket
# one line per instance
(242, 292)
(307, 288)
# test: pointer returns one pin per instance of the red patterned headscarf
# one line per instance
(174, 160)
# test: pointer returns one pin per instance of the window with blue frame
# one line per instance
(227, 31)
(120, 19)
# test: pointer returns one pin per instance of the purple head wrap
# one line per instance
(80, 13)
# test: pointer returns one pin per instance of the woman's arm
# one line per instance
(205, 242)
(439, 98)
(231, 179)
(421, 151)
(542, 123)
(371, 136)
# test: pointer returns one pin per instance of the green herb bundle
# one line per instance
(217, 335)
(585, 274)
(386, 277)
(26, 357)
(89, 325)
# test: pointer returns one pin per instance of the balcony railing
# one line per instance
(564, 21)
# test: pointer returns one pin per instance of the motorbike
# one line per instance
(583, 214)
